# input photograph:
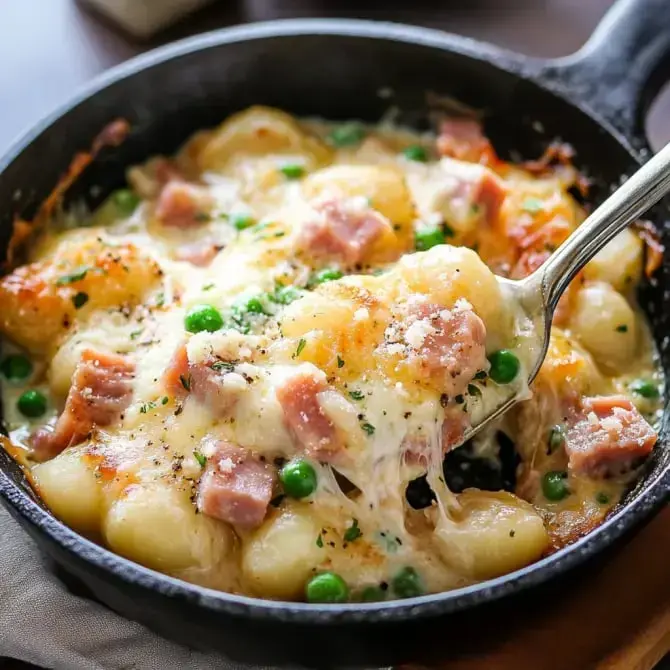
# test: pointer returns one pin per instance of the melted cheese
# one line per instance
(356, 336)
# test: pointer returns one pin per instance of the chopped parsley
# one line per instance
(201, 458)
(319, 541)
(185, 381)
(208, 287)
(353, 532)
(532, 205)
(602, 498)
(368, 428)
(79, 299)
(356, 395)
(135, 334)
(147, 406)
(74, 276)
(160, 299)
(301, 345)
(556, 438)
(242, 221)
(474, 390)
(225, 366)
(284, 295)
(165, 400)
(202, 217)
(622, 328)
(292, 171)
(340, 362)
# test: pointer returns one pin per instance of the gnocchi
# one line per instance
(254, 367)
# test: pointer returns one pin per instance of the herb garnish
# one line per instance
(353, 532)
(368, 428)
(226, 366)
(74, 276)
(79, 299)
(301, 345)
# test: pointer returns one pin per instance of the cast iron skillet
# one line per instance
(595, 100)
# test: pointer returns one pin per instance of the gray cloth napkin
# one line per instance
(42, 623)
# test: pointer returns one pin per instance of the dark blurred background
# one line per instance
(49, 48)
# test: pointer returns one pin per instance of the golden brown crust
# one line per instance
(112, 135)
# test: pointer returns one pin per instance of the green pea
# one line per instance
(254, 306)
(555, 485)
(292, 171)
(16, 367)
(125, 201)
(298, 478)
(416, 153)
(504, 366)
(556, 438)
(645, 388)
(285, 295)
(346, 135)
(32, 403)
(242, 221)
(327, 587)
(323, 276)
(429, 237)
(407, 583)
(203, 317)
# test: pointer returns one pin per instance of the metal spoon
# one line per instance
(539, 293)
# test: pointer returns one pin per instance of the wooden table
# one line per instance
(48, 48)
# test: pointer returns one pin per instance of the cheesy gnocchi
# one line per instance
(255, 367)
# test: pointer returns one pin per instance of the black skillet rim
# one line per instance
(655, 492)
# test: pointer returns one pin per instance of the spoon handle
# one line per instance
(639, 193)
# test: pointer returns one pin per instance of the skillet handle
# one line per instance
(617, 73)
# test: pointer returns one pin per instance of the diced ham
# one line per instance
(147, 180)
(456, 422)
(489, 194)
(469, 194)
(310, 426)
(166, 170)
(200, 254)
(183, 205)
(464, 140)
(218, 389)
(343, 231)
(175, 376)
(609, 436)
(447, 345)
(206, 380)
(534, 248)
(236, 487)
(415, 448)
(101, 389)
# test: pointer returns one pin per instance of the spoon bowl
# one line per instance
(539, 293)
